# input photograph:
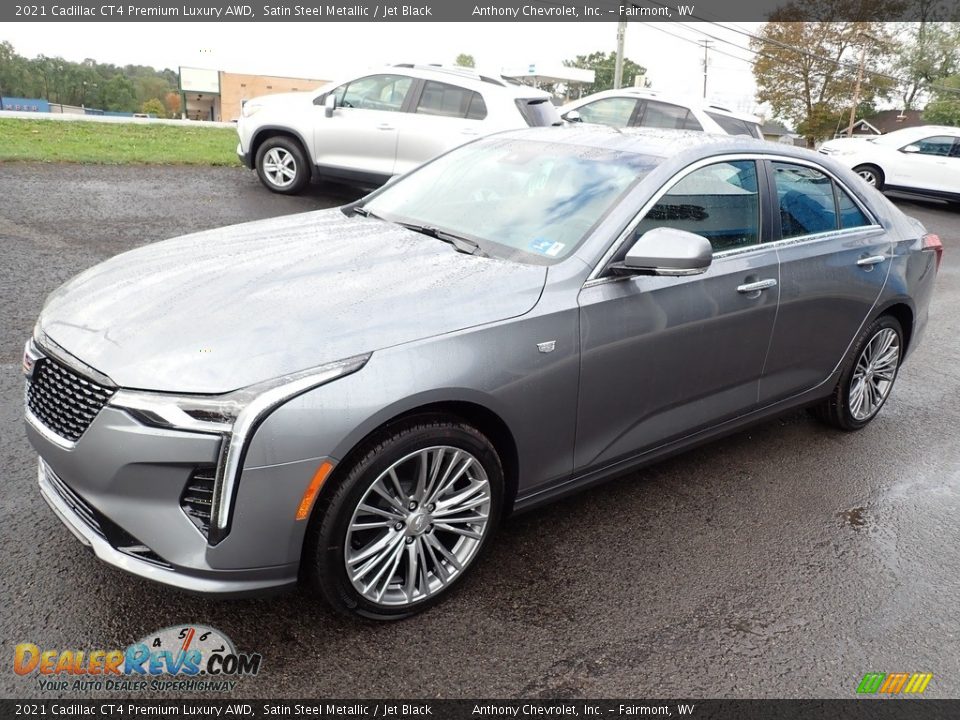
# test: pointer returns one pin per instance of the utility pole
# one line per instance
(706, 61)
(618, 68)
(856, 88)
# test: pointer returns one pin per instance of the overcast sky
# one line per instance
(332, 50)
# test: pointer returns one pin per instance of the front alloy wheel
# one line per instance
(282, 165)
(418, 526)
(407, 519)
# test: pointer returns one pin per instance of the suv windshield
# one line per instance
(524, 200)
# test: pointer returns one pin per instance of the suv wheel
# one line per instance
(409, 519)
(871, 174)
(282, 165)
(868, 379)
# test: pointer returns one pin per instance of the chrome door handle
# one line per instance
(872, 260)
(757, 286)
(384, 126)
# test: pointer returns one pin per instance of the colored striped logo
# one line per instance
(894, 683)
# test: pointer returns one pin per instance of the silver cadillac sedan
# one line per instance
(355, 398)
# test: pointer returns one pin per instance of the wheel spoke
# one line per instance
(451, 480)
(465, 532)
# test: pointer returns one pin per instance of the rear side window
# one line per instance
(615, 111)
(664, 115)
(851, 216)
(451, 101)
(538, 112)
(719, 202)
(735, 126)
(806, 199)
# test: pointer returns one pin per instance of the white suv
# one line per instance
(380, 124)
(639, 107)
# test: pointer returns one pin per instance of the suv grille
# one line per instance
(197, 497)
(63, 401)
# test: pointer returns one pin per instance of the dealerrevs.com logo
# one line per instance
(181, 658)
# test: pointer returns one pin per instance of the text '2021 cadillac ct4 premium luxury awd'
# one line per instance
(356, 397)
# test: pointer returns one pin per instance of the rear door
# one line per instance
(442, 116)
(362, 133)
(834, 261)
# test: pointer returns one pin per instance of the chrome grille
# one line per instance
(75, 502)
(65, 402)
(197, 497)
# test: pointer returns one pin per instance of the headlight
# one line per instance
(251, 108)
(235, 416)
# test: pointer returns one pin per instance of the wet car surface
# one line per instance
(783, 561)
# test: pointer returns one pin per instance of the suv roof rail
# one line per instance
(453, 70)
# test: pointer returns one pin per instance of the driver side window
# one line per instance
(376, 92)
(720, 202)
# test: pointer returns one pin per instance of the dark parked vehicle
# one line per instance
(356, 397)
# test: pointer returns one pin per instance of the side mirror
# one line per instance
(572, 116)
(910, 149)
(666, 251)
(329, 105)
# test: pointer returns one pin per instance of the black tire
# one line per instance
(325, 562)
(290, 152)
(836, 409)
(868, 171)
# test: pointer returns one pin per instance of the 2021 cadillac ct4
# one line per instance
(356, 397)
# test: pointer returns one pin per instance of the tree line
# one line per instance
(812, 73)
(130, 88)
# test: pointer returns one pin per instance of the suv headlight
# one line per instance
(251, 108)
(234, 416)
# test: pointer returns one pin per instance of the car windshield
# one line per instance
(516, 199)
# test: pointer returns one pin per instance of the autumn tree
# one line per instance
(154, 107)
(172, 102)
(807, 69)
(603, 65)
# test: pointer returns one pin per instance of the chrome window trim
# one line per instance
(594, 277)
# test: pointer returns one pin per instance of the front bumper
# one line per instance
(75, 515)
(244, 157)
(130, 477)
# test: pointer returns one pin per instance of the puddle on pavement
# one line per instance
(855, 518)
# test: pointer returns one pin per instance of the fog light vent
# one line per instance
(197, 497)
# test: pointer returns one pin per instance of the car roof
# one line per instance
(468, 78)
(655, 142)
(684, 100)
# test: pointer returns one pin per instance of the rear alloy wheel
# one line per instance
(867, 381)
(871, 175)
(282, 166)
(409, 520)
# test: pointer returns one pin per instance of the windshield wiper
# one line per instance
(458, 242)
(363, 212)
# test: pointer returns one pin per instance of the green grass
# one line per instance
(114, 144)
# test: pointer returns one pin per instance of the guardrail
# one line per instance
(69, 117)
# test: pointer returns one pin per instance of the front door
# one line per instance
(362, 134)
(665, 356)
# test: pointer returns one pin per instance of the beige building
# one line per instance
(217, 95)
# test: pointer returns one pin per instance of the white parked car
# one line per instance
(921, 160)
(639, 107)
(380, 124)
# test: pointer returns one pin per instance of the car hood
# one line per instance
(227, 308)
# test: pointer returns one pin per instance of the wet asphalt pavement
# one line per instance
(784, 561)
